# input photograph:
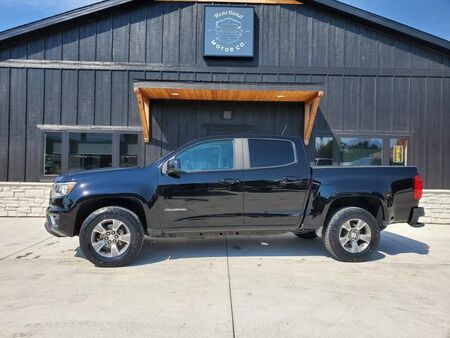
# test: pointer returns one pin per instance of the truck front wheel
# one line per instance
(111, 237)
(351, 234)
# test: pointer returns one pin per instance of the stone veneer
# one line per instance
(437, 206)
(31, 200)
(24, 199)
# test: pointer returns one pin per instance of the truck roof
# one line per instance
(268, 136)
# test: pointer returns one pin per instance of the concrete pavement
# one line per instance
(274, 286)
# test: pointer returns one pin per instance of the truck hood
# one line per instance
(137, 182)
(108, 174)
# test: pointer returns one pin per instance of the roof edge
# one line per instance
(336, 6)
(384, 22)
(61, 18)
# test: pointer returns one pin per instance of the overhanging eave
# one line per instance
(146, 91)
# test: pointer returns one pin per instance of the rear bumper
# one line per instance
(414, 217)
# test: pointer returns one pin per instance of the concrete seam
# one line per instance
(229, 287)
(15, 253)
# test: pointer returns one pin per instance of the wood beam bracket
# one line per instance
(144, 114)
(311, 108)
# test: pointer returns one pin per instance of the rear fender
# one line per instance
(325, 200)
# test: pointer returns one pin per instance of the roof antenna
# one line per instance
(285, 127)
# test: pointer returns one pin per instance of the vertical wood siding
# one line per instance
(371, 81)
(17, 125)
(4, 122)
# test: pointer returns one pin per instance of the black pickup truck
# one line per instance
(232, 185)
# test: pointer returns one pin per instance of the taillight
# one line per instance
(418, 187)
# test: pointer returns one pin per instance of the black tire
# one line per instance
(332, 234)
(127, 217)
(307, 235)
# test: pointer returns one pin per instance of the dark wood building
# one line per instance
(86, 88)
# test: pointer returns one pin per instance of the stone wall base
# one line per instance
(31, 200)
(24, 199)
(437, 206)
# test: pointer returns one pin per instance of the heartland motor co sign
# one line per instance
(229, 31)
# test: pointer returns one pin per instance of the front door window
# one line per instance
(208, 156)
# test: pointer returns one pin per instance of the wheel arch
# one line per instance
(371, 203)
(90, 205)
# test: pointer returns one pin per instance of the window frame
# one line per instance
(383, 146)
(385, 137)
(140, 147)
(237, 156)
(315, 155)
(65, 144)
(42, 154)
(407, 154)
(246, 153)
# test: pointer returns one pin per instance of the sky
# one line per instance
(431, 16)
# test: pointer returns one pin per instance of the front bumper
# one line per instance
(414, 217)
(60, 222)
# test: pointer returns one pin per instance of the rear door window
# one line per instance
(270, 153)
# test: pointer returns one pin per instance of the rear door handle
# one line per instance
(229, 181)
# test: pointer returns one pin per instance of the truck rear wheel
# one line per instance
(111, 237)
(351, 235)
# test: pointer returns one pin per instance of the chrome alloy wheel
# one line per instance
(110, 238)
(355, 235)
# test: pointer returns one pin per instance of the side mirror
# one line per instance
(173, 167)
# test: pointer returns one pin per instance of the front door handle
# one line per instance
(229, 181)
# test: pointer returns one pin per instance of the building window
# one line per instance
(358, 151)
(129, 150)
(398, 151)
(52, 153)
(270, 153)
(71, 150)
(90, 151)
(324, 151)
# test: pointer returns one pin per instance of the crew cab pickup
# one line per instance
(228, 185)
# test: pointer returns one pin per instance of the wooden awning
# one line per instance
(147, 91)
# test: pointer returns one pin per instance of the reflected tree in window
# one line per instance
(357, 151)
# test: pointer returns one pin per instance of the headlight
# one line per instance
(62, 189)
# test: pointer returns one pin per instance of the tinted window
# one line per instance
(270, 153)
(214, 155)
(52, 153)
(324, 151)
(90, 150)
(128, 150)
(357, 151)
